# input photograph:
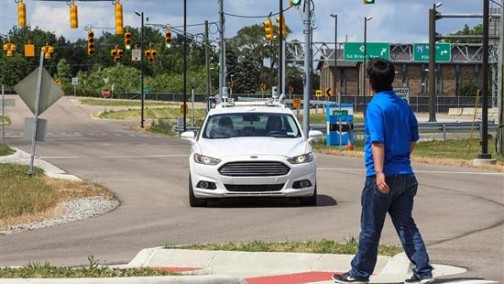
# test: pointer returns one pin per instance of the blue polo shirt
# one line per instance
(390, 121)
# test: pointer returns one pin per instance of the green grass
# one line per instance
(124, 103)
(5, 150)
(455, 149)
(323, 246)
(5, 120)
(151, 113)
(93, 270)
(22, 194)
(437, 149)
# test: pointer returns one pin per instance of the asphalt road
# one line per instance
(459, 210)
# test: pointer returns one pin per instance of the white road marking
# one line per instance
(110, 157)
(417, 171)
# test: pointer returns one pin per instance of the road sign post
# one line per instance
(354, 51)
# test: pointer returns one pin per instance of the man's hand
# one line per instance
(381, 184)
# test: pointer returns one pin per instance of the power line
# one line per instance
(255, 17)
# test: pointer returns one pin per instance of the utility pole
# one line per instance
(500, 96)
(307, 67)
(222, 58)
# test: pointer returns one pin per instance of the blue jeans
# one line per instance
(399, 204)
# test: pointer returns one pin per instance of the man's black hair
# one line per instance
(381, 74)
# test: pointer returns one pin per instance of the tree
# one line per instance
(63, 71)
(476, 30)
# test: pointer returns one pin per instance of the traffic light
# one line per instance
(90, 43)
(369, 2)
(268, 29)
(74, 19)
(127, 40)
(21, 14)
(116, 54)
(294, 2)
(9, 48)
(119, 19)
(150, 54)
(284, 26)
(48, 51)
(168, 39)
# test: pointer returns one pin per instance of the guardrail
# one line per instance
(424, 127)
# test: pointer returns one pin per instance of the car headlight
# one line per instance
(200, 159)
(306, 158)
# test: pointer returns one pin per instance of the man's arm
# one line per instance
(412, 146)
(378, 150)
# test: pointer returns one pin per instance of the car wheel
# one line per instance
(193, 201)
(311, 200)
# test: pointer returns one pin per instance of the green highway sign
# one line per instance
(421, 52)
(354, 51)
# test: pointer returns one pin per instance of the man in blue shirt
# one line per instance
(391, 134)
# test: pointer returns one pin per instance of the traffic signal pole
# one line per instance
(432, 64)
(307, 67)
(484, 116)
(281, 49)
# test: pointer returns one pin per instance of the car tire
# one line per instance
(193, 200)
(311, 200)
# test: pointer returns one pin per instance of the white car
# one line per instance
(251, 149)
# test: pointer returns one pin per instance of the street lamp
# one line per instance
(366, 19)
(141, 14)
(335, 56)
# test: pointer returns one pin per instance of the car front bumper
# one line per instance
(239, 186)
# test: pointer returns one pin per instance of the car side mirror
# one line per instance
(189, 136)
(314, 135)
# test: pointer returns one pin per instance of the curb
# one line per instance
(21, 157)
(211, 279)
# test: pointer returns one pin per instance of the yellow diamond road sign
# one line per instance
(49, 91)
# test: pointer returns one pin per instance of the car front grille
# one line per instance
(254, 169)
(254, 187)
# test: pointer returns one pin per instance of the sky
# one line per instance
(395, 21)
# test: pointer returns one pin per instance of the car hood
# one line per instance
(288, 147)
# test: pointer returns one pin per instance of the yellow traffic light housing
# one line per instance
(74, 18)
(268, 29)
(168, 38)
(21, 14)
(9, 48)
(127, 40)
(116, 54)
(90, 43)
(47, 50)
(119, 19)
(284, 26)
(150, 54)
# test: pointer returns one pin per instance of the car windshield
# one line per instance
(248, 124)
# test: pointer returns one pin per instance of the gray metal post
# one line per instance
(3, 116)
(335, 77)
(207, 65)
(307, 67)
(142, 47)
(280, 46)
(500, 96)
(37, 106)
(484, 117)
(185, 64)
(364, 71)
(432, 64)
